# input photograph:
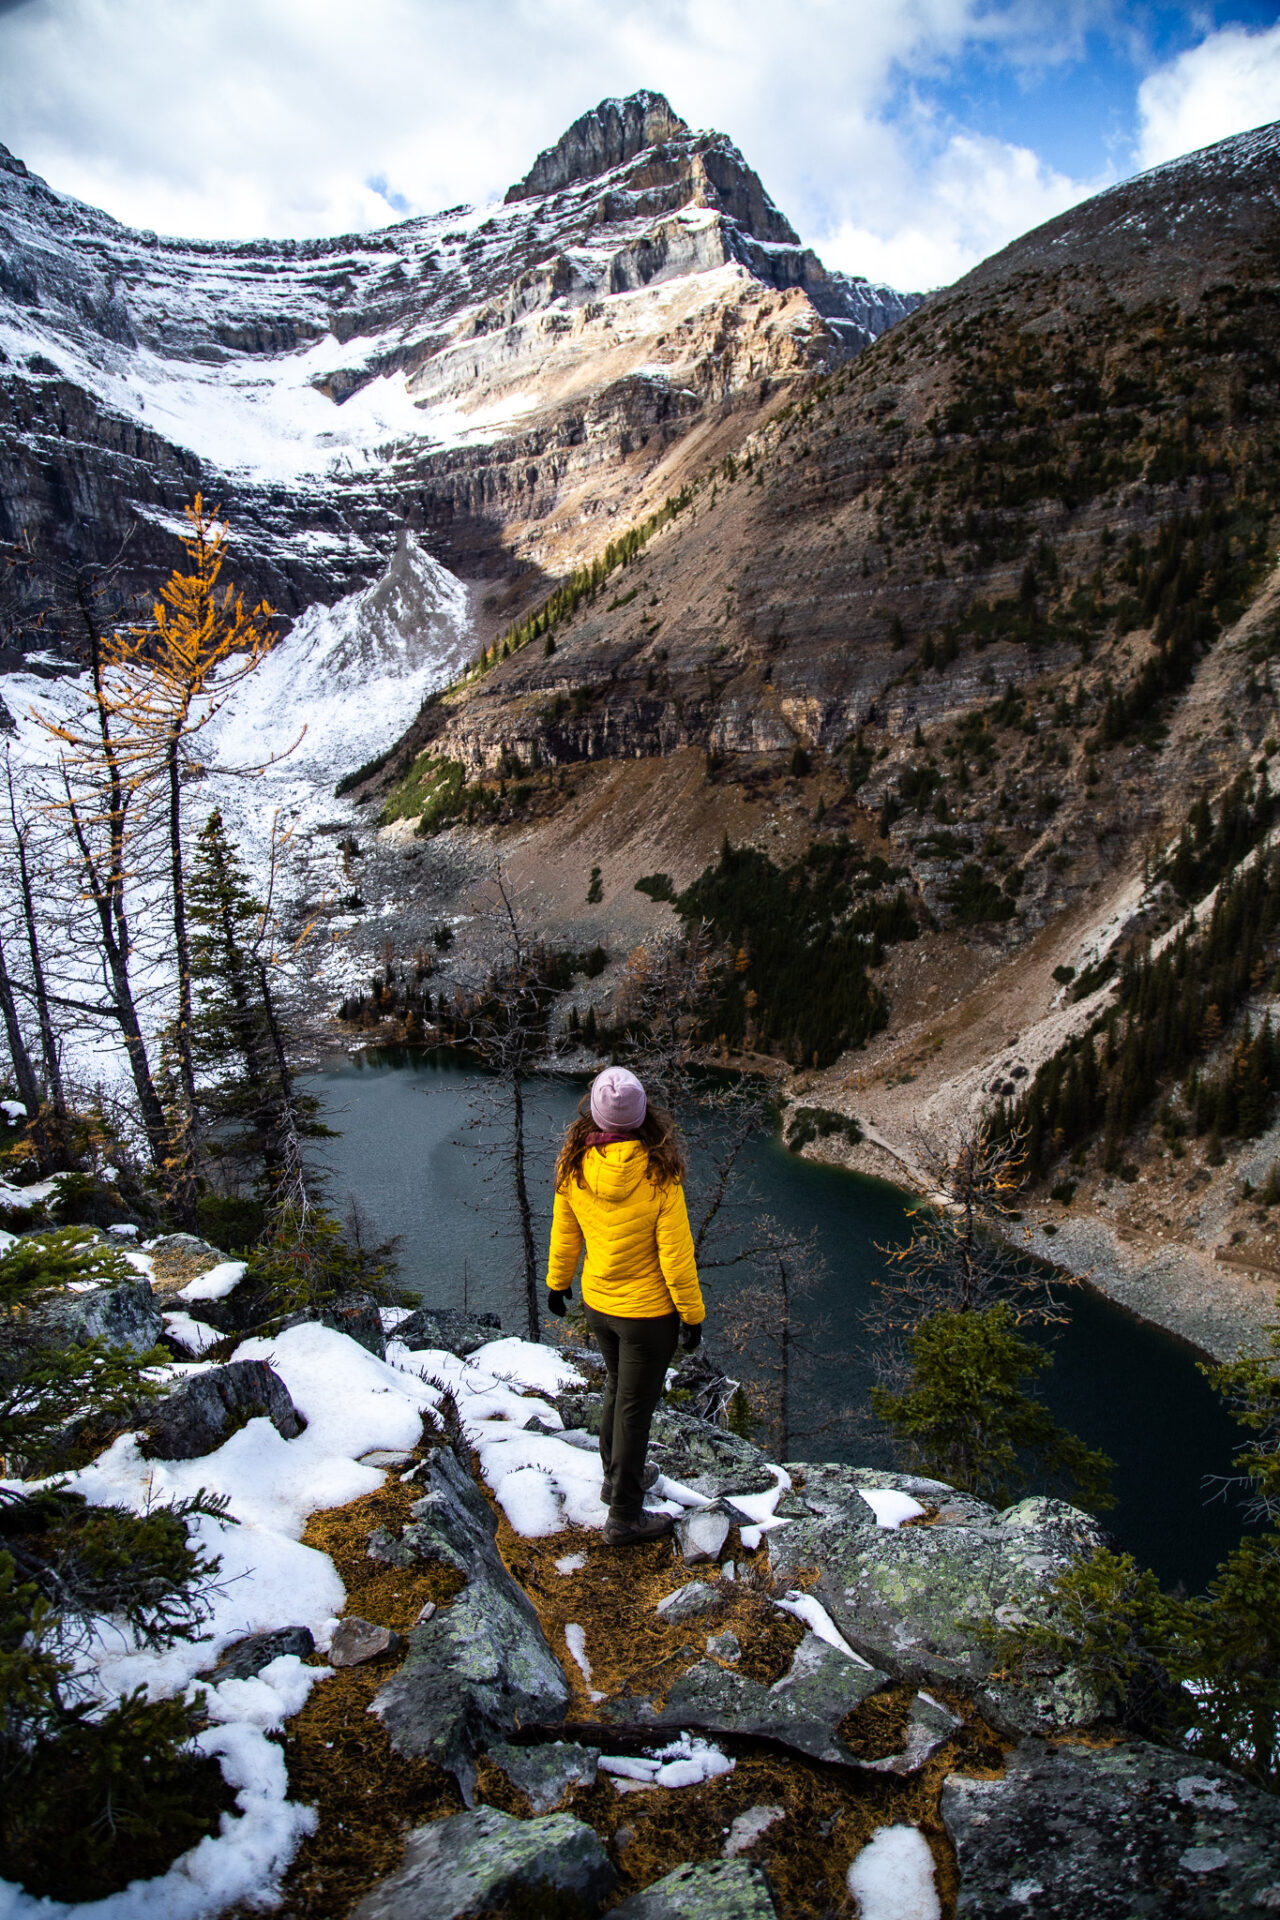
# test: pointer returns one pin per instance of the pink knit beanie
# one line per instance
(617, 1101)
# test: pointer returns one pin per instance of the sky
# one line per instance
(904, 139)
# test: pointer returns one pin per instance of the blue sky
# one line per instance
(905, 139)
(1079, 104)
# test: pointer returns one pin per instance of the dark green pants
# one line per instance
(636, 1354)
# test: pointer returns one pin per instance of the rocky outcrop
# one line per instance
(612, 133)
(480, 1863)
(355, 1314)
(918, 1599)
(481, 1667)
(1103, 1833)
(122, 1313)
(448, 1329)
(802, 1710)
(208, 1408)
(327, 391)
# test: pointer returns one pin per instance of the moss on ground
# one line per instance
(341, 1761)
(339, 1757)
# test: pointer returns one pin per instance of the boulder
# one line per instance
(448, 1329)
(702, 1535)
(121, 1313)
(1106, 1833)
(705, 1457)
(547, 1774)
(208, 1408)
(480, 1668)
(712, 1890)
(686, 1603)
(915, 1600)
(243, 1658)
(355, 1314)
(483, 1862)
(356, 1641)
(801, 1711)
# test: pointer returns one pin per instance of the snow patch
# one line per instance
(819, 1621)
(892, 1878)
(217, 1283)
(890, 1507)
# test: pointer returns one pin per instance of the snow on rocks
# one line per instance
(893, 1879)
(819, 1621)
(267, 1581)
(890, 1507)
(686, 1762)
(217, 1283)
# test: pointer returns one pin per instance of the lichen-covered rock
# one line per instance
(478, 1863)
(802, 1710)
(711, 1890)
(246, 1657)
(447, 1329)
(479, 1668)
(208, 1408)
(915, 1599)
(1108, 1833)
(834, 1492)
(706, 1458)
(688, 1602)
(547, 1774)
(122, 1313)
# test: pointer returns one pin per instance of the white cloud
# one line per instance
(975, 197)
(1227, 84)
(231, 118)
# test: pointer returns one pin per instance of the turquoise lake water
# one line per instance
(412, 1132)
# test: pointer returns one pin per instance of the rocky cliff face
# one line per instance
(469, 374)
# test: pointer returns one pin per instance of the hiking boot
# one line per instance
(637, 1532)
(648, 1480)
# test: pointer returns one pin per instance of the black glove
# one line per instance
(556, 1302)
(690, 1337)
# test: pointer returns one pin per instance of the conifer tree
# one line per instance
(174, 675)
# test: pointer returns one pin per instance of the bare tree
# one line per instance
(38, 990)
(763, 1323)
(507, 1027)
(963, 1254)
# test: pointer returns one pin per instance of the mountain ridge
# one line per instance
(464, 373)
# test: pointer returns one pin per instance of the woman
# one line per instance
(619, 1194)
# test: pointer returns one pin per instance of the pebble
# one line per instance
(356, 1640)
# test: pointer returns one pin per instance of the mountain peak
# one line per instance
(611, 134)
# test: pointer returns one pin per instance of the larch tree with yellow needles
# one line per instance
(172, 676)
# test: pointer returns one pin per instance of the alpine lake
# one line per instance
(415, 1134)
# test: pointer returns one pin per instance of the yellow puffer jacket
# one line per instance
(639, 1248)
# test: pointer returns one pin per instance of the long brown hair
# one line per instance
(657, 1132)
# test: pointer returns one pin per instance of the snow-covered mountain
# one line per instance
(464, 373)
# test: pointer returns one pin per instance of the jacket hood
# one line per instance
(614, 1172)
